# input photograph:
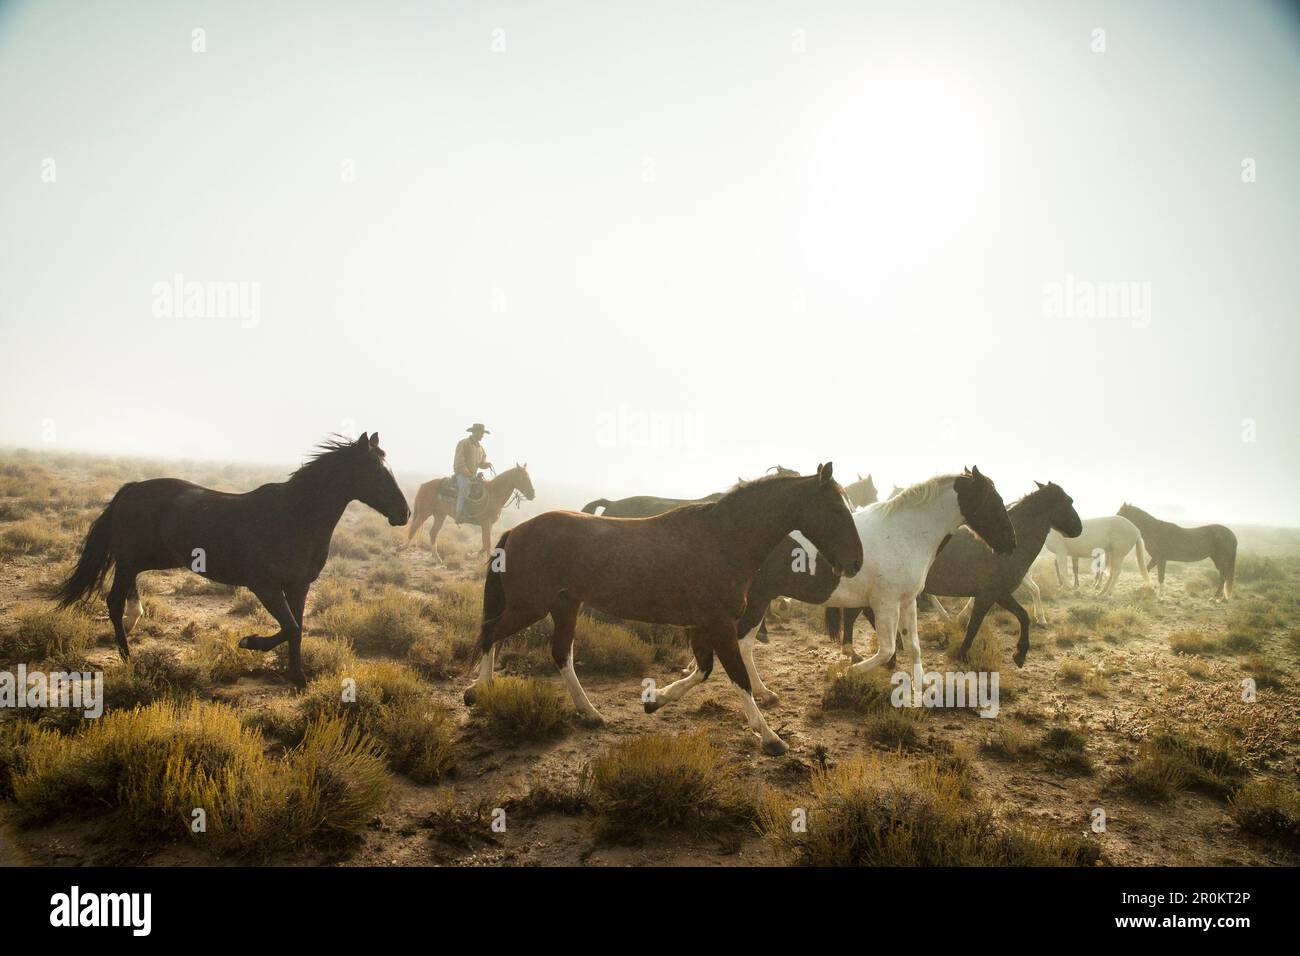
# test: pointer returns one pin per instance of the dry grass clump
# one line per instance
(896, 727)
(666, 782)
(1073, 671)
(522, 708)
(331, 591)
(42, 632)
(1007, 740)
(195, 585)
(320, 655)
(604, 648)
(1174, 759)
(870, 812)
(390, 623)
(149, 769)
(863, 692)
(1065, 750)
(31, 536)
(246, 604)
(388, 702)
(1267, 808)
(1192, 642)
(390, 571)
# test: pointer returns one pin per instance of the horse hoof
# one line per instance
(471, 695)
(243, 642)
(1019, 658)
(592, 720)
(775, 748)
(651, 706)
(769, 700)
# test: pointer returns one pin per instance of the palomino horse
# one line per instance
(899, 538)
(485, 514)
(690, 567)
(1167, 541)
(1107, 540)
(273, 540)
(966, 568)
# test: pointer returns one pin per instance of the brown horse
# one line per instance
(484, 513)
(1167, 542)
(690, 567)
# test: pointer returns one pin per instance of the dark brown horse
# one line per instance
(1166, 541)
(690, 567)
(273, 540)
(965, 567)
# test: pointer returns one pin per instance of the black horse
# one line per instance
(273, 540)
(965, 567)
(1166, 541)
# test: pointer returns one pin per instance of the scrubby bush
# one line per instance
(661, 782)
(42, 632)
(522, 708)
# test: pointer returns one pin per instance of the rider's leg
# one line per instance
(462, 492)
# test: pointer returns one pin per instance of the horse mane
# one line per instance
(325, 454)
(914, 496)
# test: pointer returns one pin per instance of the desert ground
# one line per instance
(1131, 710)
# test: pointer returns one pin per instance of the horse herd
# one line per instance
(712, 565)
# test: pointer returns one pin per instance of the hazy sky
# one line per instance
(657, 246)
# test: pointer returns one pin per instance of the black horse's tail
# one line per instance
(834, 617)
(494, 598)
(96, 558)
(591, 506)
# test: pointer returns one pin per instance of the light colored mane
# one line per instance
(916, 495)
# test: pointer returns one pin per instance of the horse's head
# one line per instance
(983, 511)
(373, 481)
(826, 521)
(522, 482)
(1128, 511)
(863, 492)
(1064, 518)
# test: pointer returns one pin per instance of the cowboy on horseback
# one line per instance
(470, 458)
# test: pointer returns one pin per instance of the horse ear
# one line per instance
(975, 470)
(1039, 484)
(825, 473)
(374, 439)
(363, 440)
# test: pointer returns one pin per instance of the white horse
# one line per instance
(1106, 541)
(900, 538)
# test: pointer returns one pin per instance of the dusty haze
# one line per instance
(658, 248)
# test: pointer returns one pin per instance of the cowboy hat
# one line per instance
(478, 426)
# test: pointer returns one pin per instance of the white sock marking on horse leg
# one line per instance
(579, 696)
(756, 682)
(771, 742)
(679, 688)
(132, 614)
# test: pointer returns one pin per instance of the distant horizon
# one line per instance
(407, 476)
(657, 249)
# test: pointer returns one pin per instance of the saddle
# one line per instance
(477, 491)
